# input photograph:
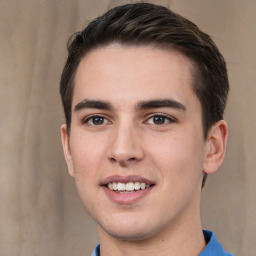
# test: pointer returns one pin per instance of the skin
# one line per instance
(128, 140)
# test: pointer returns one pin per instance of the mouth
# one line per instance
(129, 187)
(127, 184)
(126, 190)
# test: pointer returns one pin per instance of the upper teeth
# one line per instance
(130, 186)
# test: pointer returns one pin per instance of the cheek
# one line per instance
(87, 154)
(87, 163)
(179, 155)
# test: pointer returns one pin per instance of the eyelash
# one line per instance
(89, 119)
(167, 119)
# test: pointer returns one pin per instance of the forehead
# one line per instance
(133, 73)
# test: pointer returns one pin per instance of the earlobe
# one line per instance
(216, 146)
(66, 149)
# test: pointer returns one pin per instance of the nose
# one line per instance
(126, 146)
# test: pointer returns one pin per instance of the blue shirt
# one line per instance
(213, 247)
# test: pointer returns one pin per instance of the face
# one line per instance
(136, 148)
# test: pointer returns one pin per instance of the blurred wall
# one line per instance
(40, 212)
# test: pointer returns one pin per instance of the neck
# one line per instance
(185, 239)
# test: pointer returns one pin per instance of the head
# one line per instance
(144, 92)
(147, 24)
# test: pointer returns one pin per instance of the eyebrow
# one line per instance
(143, 105)
(162, 103)
(98, 104)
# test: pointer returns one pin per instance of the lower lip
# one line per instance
(126, 198)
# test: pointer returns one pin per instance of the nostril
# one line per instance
(132, 159)
(112, 159)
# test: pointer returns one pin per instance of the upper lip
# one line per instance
(126, 179)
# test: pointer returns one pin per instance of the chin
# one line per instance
(130, 232)
(129, 235)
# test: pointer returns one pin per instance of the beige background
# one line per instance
(40, 212)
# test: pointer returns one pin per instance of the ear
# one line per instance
(216, 144)
(66, 149)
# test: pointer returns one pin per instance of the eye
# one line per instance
(96, 120)
(159, 120)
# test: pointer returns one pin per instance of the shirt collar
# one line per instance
(96, 251)
(213, 247)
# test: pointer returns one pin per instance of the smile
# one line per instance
(121, 187)
(126, 189)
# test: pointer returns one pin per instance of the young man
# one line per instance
(144, 91)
